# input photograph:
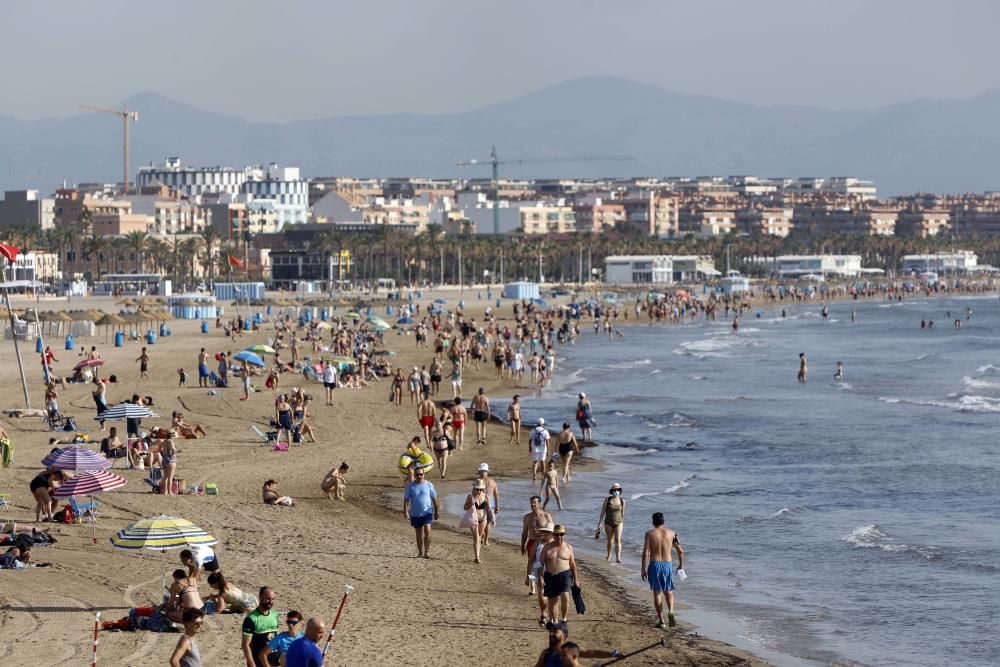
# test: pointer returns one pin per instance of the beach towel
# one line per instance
(6, 452)
(581, 608)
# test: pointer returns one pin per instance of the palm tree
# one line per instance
(94, 248)
(210, 236)
(434, 233)
(136, 242)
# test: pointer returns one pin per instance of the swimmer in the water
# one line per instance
(839, 373)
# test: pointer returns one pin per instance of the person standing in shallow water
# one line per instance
(584, 417)
(803, 368)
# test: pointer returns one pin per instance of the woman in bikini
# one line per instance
(550, 485)
(478, 515)
(440, 445)
(168, 458)
(333, 484)
(271, 496)
(397, 386)
(458, 418)
(568, 446)
(613, 518)
(41, 488)
(188, 431)
(228, 597)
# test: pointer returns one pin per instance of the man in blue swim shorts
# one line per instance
(420, 506)
(203, 368)
(657, 566)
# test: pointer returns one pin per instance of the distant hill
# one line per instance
(935, 145)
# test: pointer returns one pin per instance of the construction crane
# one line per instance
(126, 116)
(496, 162)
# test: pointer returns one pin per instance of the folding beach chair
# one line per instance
(87, 511)
(268, 438)
(5, 501)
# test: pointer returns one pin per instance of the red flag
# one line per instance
(238, 263)
(9, 251)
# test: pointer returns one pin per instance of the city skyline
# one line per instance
(320, 60)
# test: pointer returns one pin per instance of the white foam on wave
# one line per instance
(974, 383)
(655, 371)
(683, 484)
(873, 536)
(632, 364)
(960, 402)
(696, 377)
(987, 369)
(783, 511)
(719, 347)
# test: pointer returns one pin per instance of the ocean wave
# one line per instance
(631, 364)
(717, 347)
(988, 369)
(683, 484)
(619, 413)
(873, 536)
(974, 383)
(675, 420)
(655, 371)
(960, 402)
(696, 377)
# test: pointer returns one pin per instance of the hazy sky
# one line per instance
(289, 59)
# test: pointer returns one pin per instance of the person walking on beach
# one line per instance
(259, 627)
(803, 368)
(584, 417)
(100, 394)
(426, 412)
(613, 518)
(244, 374)
(186, 653)
(558, 573)
(478, 515)
(458, 419)
(542, 537)
(568, 446)
(329, 381)
(514, 416)
(657, 566)
(492, 494)
(420, 507)
(530, 524)
(304, 652)
(481, 414)
(203, 368)
(538, 447)
(143, 365)
(550, 486)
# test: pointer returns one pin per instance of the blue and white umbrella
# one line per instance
(126, 411)
(249, 357)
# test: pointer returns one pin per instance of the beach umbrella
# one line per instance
(248, 357)
(160, 533)
(87, 363)
(260, 348)
(89, 483)
(540, 302)
(353, 314)
(76, 458)
(378, 321)
(404, 320)
(323, 325)
(440, 301)
(124, 411)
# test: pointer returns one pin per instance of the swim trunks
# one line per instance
(203, 370)
(557, 583)
(427, 420)
(421, 521)
(661, 576)
(480, 415)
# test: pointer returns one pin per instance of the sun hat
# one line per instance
(545, 528)
(479, 484)
(616, 485)
(541, 421)
(559, 529)
(484, 467)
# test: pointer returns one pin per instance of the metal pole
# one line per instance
(13, 331)
(45, 359)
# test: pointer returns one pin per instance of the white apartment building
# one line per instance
(792, 266)
(34, 265)
(191, 181)
(548, 218)
(284, 188)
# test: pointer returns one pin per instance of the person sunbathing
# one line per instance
(271, 496)
(186, 430)
(229, 598)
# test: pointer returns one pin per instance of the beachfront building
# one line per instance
(638, 270)
(690, 268)
(598, 214)
(548, 218)
(26, 207)
(960, 261)
(34, 265)
(168, 212)
(797, 266)
(923, 222)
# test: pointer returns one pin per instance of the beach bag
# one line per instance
(296, 435)
(6, 452)
(451, 443)
(280, 447)
(581, 608)
(469, 519)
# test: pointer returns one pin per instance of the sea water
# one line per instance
(836, 521)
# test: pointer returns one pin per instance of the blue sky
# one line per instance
(293, 59)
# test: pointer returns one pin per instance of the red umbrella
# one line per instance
(89, 482)
(87, 363)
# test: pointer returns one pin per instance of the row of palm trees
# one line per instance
(433, 257)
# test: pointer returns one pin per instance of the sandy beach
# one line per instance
(405, 610)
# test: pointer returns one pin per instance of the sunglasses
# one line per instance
(293, 621)
(420, 474)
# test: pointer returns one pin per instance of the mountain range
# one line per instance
(922, 145)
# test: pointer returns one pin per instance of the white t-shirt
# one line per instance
(329, 375)
(539, 438)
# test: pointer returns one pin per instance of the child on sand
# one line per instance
(334, 483)
(182, 377)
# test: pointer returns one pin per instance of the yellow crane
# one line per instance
(126, 116)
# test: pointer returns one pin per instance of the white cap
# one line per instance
(484, 467)
(583, 395)
(541, 421)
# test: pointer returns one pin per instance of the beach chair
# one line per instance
(265, 438)
(5, 501)
(87, 511)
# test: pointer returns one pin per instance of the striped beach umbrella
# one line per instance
(88, 483)
(76, 458)
(160, 533)
(126, 411)
(261, 348)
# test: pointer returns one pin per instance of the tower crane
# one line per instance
(126, 116)
(495, 163)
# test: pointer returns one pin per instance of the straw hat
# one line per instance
(479, 485)
(558, 529)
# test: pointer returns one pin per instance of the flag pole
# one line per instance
(232, 281)
(13, 332)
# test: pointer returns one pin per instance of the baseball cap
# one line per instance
(541, 421)
(558, 625)
(583, 395)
